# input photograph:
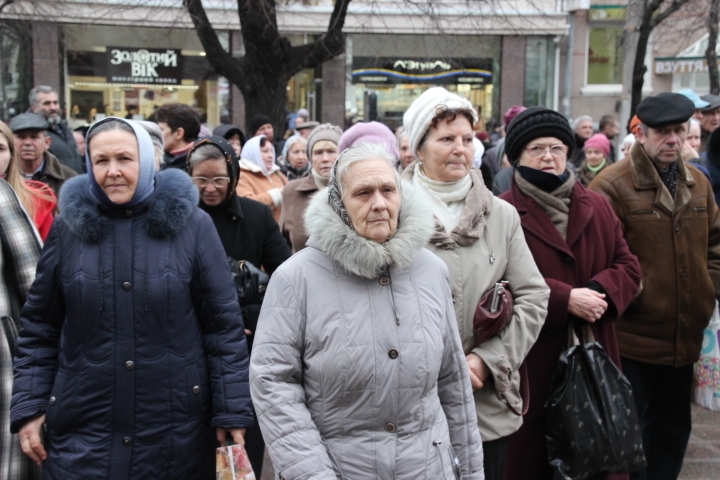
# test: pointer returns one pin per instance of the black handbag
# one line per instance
(250, 285)
(591, 425)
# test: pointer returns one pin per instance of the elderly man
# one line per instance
(610, 127)
(710, 119)
(582, 130)
(32, 145)
(670, 221)
(44, 101)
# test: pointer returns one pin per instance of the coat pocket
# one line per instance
(58, 415)
(194, 391)
(445, 464)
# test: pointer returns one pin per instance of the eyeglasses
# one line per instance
(218, 182)
(538, 151)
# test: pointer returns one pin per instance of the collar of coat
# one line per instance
(168, 208)
(51, 167)
(645, 177)
(359, 255)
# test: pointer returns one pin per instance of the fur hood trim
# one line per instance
(168, 208)
(362, 256)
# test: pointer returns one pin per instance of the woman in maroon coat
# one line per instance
(577, 243)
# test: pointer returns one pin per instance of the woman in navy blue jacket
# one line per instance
(132, 351)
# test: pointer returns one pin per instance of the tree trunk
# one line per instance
(710, 53)
(265, 93)
(639, 68)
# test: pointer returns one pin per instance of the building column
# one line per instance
(332, 103)
(47, 56)
(512, 78)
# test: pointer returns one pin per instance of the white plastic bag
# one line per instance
(706, 391)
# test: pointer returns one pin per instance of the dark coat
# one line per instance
(64, 147)
(595, 251)
(132, 341)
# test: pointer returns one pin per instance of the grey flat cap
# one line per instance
(28, 121)
(713, 100)
(307, 125)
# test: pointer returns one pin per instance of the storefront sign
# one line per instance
(447, 71)
(669, 66)
(145, 66)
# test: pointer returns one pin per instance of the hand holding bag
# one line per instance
(493, 313)
(250, 285)
(591, 425)
(232, 463)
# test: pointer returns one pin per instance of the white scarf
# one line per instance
(448, 198)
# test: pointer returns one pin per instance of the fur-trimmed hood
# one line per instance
(362, 256)
(168, 208)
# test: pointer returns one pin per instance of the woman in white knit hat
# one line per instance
(480, 240)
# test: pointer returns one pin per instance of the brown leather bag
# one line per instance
(493, 313)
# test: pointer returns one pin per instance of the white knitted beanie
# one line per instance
(417, 118)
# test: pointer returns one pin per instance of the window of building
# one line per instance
(539, 72)
(605, 44)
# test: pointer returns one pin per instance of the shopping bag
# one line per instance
(706, 391)
(591, 425)
(232, 463)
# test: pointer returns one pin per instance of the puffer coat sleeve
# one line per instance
(292, 437)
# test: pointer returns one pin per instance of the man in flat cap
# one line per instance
(32, 145)
(670, 221)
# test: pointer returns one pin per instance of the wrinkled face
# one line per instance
(297, 155)
(693, 137)
(49, 107)
(80, 142)
(594, 156)
(116, 164)
(372, 199)
(663, 145)
(711, 120)
(5, 154)
(31, 144)
(324, 154)
(447, 155)
(209, 174)
(406, 155)
(585, 129)
(266, 130)
(267, 152)
(235, 142)
(552, 159)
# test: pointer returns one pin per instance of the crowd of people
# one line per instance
(127, 352)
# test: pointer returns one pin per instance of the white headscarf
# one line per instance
(251, 153)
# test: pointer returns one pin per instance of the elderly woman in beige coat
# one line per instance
(480, 240)
(357, 369)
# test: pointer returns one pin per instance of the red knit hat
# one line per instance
(600, 142)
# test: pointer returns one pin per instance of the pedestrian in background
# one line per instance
(294, 158)
(670, 221)
(132, 350)
(479, 239)
(577, 243)
(597, 157)
(180, 125)
(261, 178)
(358, 371)
(322, 148)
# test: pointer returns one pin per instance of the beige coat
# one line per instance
(296, 197)
(255, 185)
(472, 272)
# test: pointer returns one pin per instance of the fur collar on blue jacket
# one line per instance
(168, 209)
(364, 257)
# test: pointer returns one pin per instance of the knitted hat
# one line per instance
(534, 123)
(421, 112)
(600, 142)
(634, 123)
(370, 132)
(510, 115)
(256, 122)
(326, 131)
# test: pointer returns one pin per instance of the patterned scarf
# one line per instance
(669, 177)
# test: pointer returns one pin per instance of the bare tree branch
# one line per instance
(710, 53)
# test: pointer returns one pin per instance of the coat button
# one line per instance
(129, 365)
(568, 259)
(196, 389)
(677, 228)
(127, 441)
(127, 286)
(128, 213)
(234, 218)
(393, 353)
(384, 280)
(52, 400)
(390, 427)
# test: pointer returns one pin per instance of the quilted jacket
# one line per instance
(357, 368)
(132, 340)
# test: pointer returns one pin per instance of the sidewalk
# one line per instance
(702, 460)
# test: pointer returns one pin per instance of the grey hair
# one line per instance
(108, 126)
(358, 153)
(581, 118)
(33, 97)
(205, 152)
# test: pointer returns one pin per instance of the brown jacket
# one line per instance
(296, 196)
(54, 173)
(678, 245)
(255, 185)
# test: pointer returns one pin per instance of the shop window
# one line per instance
(539, 72)
(605, 55)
